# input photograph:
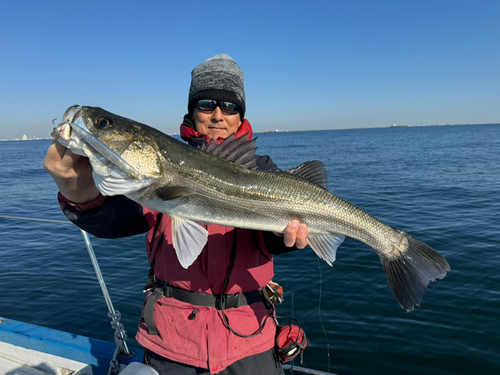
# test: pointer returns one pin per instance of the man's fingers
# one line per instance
(54, 156)
(291, 233)
(69, 160)
(57, 152)
(301, 239)
(61, 161)
(59, 148)
(296, 234)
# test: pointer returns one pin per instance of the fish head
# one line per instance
(124, 159)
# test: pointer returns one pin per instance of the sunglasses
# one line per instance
(209, 105)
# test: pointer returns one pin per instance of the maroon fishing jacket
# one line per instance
(195, 335)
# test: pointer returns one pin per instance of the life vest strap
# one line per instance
(220, 302)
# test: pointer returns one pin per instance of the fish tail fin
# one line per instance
(410, 272)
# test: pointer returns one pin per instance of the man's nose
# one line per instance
(217, 114)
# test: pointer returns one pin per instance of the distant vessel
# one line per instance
(399, 126)
(25, 138)
(275, 131)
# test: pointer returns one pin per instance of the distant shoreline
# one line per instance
(375, 127)
(305, 130)
(24, 140)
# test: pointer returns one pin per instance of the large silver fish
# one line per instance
(220, 185)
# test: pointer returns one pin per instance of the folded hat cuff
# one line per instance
(217, 94)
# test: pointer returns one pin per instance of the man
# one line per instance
(212, 317)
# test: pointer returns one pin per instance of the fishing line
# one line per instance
(319, 313)
(32, 219)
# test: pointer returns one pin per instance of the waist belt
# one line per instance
(221, 302)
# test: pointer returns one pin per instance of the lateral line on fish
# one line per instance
(104, 150)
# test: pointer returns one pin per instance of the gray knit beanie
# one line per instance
(218, 78)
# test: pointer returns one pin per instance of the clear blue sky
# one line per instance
(308, 64)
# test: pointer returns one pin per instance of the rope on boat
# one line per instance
(120, 335)
(120, 341)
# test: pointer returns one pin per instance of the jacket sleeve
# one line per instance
(108, 217)
(275, 244)
(264, 163)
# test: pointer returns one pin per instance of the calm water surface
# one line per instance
(441, 184)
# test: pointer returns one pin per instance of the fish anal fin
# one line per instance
(189, 239)
(325, 245)
(167, 193)
(410, 272)
(313, 171)
(240, 151)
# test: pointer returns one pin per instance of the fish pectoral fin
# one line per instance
(325, 245)
(168, 193)
(313, 171)
(112, 185)
(189, 240)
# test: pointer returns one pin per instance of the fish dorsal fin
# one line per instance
(239, 151)
(312, 171)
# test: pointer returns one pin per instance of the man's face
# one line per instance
(216, 124)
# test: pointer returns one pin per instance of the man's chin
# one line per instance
(217, 133)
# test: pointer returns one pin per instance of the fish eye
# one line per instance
(103, 123)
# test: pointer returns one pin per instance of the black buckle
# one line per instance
(228, 301)
(167, 289)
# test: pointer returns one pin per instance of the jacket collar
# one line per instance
(195, 138)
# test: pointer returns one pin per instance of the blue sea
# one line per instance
(439, 183)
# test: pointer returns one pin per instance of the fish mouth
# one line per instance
(73, 118)
(72, 114)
